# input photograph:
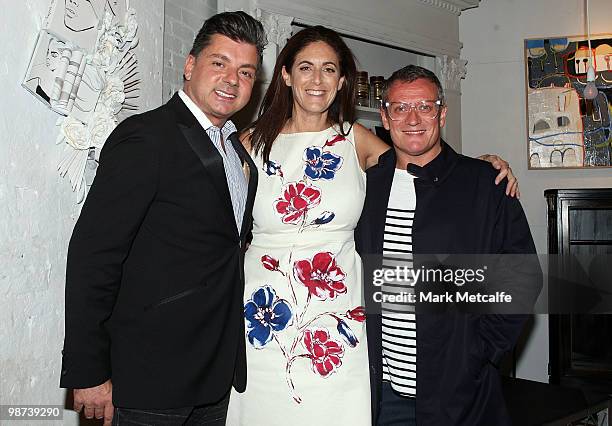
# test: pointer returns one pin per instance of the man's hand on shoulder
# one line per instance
(96, 402)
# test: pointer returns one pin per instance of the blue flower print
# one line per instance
(324, 218)
(266, 314)
(346, 333)
(272, 168)
(321, 164)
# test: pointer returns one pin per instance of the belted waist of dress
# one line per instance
(307, 237)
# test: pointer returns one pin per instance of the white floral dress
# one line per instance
(307, 358)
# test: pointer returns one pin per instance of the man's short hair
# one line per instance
(238, 26)
(408, 74)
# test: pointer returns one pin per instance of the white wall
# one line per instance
(383, 60)
(182, 21)
(493, 111)
(38, 210)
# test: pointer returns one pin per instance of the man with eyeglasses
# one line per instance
(424, 198)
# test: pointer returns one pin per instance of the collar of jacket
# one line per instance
(437, 170)
(433, 173)
(182, 113)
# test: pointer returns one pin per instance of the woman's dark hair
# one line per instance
(277, 104)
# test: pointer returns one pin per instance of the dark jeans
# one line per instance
(205, 415)
(396, 410)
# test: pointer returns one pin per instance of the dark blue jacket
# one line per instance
(459, 210)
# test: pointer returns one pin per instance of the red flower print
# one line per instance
(322, 276)
(297, 199)
(334, 140)
(269, 263)
(357, 314)
(325, 353)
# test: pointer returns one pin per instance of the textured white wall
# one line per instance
(38, 210)
(150, 15)
(493, 111)
(182, 21)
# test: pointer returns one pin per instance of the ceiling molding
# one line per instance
(453, 6)
(362, 26)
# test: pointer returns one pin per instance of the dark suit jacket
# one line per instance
(459, 210)
(154, 281)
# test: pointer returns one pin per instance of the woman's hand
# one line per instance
(504, 171)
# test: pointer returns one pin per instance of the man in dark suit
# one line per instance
(437, 368)
(154, 280)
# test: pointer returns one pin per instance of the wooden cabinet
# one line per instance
(580, 224)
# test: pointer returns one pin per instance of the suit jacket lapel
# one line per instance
(204, 148)
(211, 160)
(251, 177)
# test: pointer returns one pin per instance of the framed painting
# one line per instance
(564, 129)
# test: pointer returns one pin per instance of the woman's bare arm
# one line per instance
(369, 147)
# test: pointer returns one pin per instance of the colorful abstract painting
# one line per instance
(565, 130)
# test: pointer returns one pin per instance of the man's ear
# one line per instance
(286, 76)
(443, 116)
(384, 118)
(188, 68)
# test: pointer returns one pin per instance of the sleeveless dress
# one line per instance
(307, 360)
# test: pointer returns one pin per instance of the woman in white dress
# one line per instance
(306, 342)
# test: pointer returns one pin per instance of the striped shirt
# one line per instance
(398, 319)
(236, 180)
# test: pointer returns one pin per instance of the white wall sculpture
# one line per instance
(84, 69)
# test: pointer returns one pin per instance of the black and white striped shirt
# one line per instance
(398, 319)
